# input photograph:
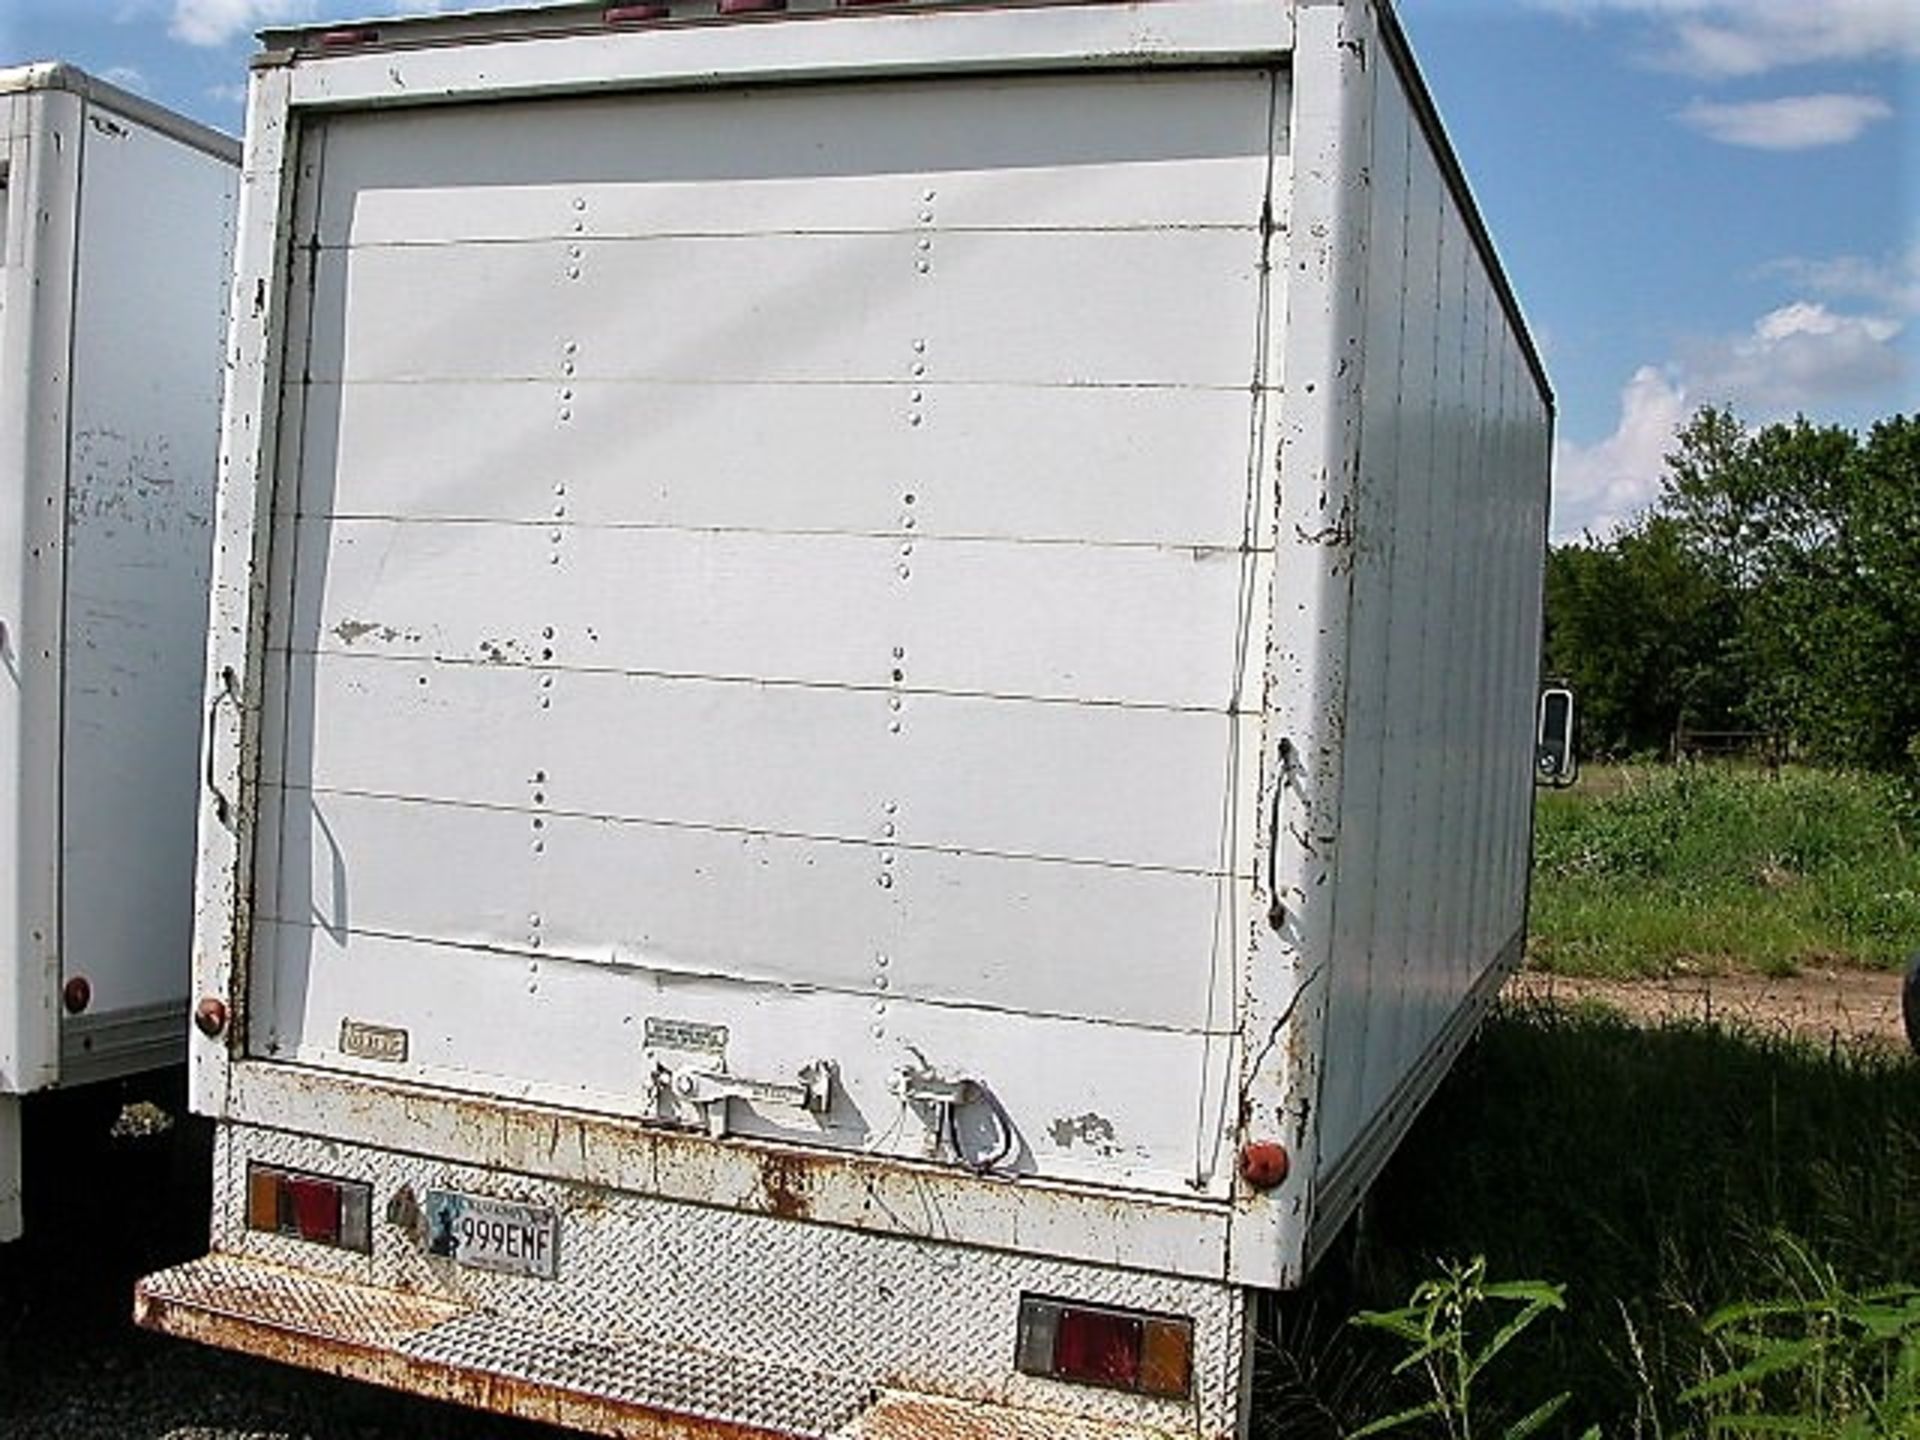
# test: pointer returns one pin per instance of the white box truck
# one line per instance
(872, 702)
(116, 250)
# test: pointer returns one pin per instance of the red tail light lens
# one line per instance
(316, 1208)
(310, 1207)
(1114, 1349)
(1099, 1348)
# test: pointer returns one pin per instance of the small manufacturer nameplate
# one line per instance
(685, 1035)
(373, 1042)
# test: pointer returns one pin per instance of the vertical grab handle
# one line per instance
(1289, 763)
(222, 806)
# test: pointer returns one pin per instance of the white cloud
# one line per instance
(1892, 284)
(1599, 487)
(1723, 39)
(1802, 356)
(215, 22)
(1792, 122)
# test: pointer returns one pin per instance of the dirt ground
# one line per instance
(1848, 1007)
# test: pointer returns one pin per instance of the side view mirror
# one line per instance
(1554, 762)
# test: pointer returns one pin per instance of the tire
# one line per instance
(1910, 1003)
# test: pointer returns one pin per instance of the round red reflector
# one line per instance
(1264, 1163)
(77, 994)
(211, 1016)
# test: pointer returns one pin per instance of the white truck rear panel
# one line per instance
(117, 250)
(646, 734)
(1013, 561)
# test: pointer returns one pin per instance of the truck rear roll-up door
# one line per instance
(759, 580)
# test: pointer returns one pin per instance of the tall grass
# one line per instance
(1652, 1173)
(1645, 869)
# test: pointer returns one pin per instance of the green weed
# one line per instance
(1817, 1359)
(1451, 1339)
(1649, 1172)
(1652, 868)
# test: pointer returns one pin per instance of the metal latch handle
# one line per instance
(1289, 765)
(229, 690)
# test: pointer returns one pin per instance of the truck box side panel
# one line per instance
(841, 746)
(43, 148)
(1444, 640)
(155, 247)
(1384, 622)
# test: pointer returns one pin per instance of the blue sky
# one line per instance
(1699, 200)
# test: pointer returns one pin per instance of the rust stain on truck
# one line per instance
(786, 1181)
(251, 1308)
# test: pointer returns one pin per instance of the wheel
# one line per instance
(1910, 1003)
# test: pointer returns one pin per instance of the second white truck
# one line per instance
(872, 702)
(116, 252)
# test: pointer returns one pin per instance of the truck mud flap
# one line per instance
(606, 1385)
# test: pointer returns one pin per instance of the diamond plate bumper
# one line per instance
(604, 1384)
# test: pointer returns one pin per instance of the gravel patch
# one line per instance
(1830, 1007)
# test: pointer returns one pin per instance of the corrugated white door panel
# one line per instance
(1034, 307)
(1112, 784)
(1137, 626)
(1149, 626)
(1047, 937)
(1087, 1101)
(1132, 787)
(815, 608)
(1101, 465)
(1094, 151)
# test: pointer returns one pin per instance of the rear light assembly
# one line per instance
(310, 1207)
(1114, 1349)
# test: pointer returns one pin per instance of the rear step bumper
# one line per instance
(602, 1384)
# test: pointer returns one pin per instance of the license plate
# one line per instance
(497, 1235)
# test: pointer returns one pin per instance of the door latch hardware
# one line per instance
(712, 1089)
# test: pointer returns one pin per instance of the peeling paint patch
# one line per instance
(351, 631)
(1095, 1131)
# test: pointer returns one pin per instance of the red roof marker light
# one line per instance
(350, 38)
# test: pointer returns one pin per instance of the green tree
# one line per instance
(1774, 585)
(1633, 623)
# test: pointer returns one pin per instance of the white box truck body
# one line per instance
(873, 691)
(116, 250)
